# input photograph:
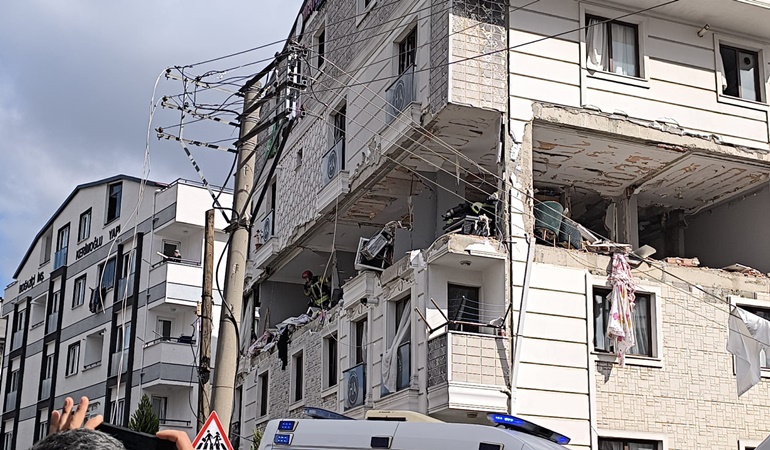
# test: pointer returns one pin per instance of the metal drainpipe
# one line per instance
(522, 314)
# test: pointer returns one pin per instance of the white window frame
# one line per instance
(107, 218)
(656, 297)
(333, 336)
(81, 236)
(164, 406)
(641, 22)
(362, 10)
(316, 53)
(79, 296)
(743, 444)
(751, 302)
(159, 328)
(762, 58)
(261, 378)
(662, 439)
(7, 440)
(353, 338)
(72, 369)
(293, 400)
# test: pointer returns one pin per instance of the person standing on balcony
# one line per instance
(317, 289)
(176, 257)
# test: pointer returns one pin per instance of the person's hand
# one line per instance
(67, 420)
(180, 438)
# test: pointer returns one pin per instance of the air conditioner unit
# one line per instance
(363, 263)
(332, 162)
(267, 227)
(355, 386)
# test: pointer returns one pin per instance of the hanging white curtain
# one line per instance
(624, 50)
(641, 317)
(721, 69)
(389, 366)
(597, 46)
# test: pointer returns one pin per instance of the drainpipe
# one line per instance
(522, 314)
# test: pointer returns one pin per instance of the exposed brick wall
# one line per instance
(439, 54)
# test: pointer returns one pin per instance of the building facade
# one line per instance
(100, 307)
(646, 123)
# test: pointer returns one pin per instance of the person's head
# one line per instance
(307, 275)
(176, 253)
(79, 439)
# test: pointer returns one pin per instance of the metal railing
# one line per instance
(400, 94)
(45, 389)
(115, 363)
(174, 422)
(184, 262)
(60, 258)
(188, 340)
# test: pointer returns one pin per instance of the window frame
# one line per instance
(75, 297)
(403, 58)
(70, 369)
(319, 42)
(263, 395)
(81, 235)
(100, 271)
(627, 441)
(331, 365)
(358, 354)
(641, 23)
(164, 406)
(362, 10)
(656, 322)
(109, 214)
(298, 383)
(159, 328)
(8, 440)
(474, 329)
(748, 46)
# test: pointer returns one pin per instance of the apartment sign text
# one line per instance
(30, 283)
(89, 247)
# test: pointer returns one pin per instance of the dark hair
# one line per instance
(79, 439)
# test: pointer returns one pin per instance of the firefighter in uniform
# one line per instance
(317, 289)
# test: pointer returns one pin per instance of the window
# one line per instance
(164, 329)
(53, 308)
(407, 52)
(321, 46)
(63, 238)
(45, 247)
(123, 337)
(13, 381)
(764, 358)
(119, 412)
(73, 359)
(94, 346)
(612, 46)
(48, 367)
(464, 308)
(107, 274)
(740, 73)
(642, 318)
(169, 247)
(79, 292)
(298, 162)
(21, 320)
(114, 194)
(298, 375)
(159, 407)
(360, 340)
(8, 440)
(627, 444)
(339, 120)
(263, 393)
(42, 427)
(330, 363)
(84, 226)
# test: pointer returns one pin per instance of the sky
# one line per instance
(76, 83)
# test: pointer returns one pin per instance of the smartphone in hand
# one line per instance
(135, 440)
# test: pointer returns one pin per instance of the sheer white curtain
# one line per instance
(624, 50)
(597, 46)
(641, 318)
(389, 366)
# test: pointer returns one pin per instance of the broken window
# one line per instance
(395, 361)
(642, 320)
(612, 46)
(740, 73)
(464, 308)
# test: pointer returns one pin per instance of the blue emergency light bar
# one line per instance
(282, 439)
(287, 425)
(515, 423)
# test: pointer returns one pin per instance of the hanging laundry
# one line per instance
(620, 327)
(748, 335)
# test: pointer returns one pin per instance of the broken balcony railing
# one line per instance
(400, 94)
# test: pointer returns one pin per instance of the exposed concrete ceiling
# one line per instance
(667, 176)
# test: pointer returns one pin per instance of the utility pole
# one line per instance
(228, 345)
(204, 360)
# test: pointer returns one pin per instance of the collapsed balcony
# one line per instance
(687, 198)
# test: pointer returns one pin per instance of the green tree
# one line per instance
(144, 418)
(257, 439)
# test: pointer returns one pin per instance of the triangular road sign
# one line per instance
(212, 436)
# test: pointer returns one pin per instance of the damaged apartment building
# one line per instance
(463, 172)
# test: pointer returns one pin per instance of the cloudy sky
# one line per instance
(76, 80)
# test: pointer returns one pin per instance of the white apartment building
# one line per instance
(140, 336)
(644, 121)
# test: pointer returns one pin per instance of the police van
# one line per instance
(406, 430)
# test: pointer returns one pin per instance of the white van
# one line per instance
(406, 430)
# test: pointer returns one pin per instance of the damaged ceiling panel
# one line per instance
(474, 132)
(666, 176)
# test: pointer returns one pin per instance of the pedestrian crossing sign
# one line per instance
(212, 436)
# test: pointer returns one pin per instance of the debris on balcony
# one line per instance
(684, 262)
(376, 253)
(477, 218)
(745, 270)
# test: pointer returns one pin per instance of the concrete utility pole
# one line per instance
(204, 364)
(228, 345)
